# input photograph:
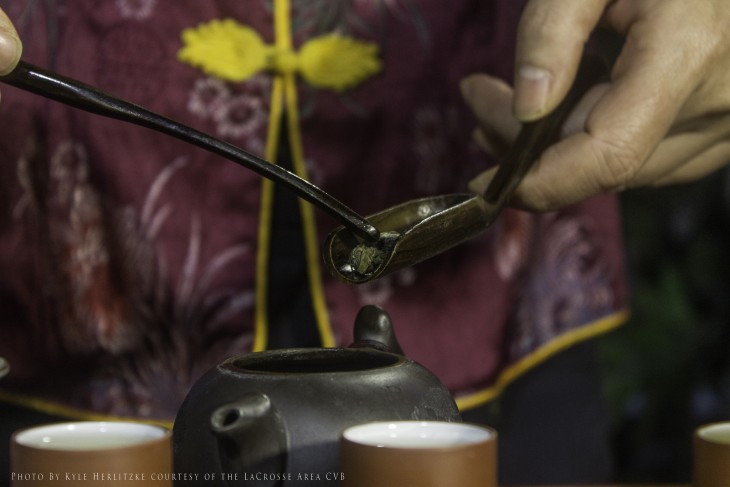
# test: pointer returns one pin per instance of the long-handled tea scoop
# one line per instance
(80, 95)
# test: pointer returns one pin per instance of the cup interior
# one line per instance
(716, 433)
(314, 361)
(417, 434)
(88, 435)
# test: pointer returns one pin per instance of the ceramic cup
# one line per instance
(418, 454)
(91, 453)
(4, 367)
(712, 455)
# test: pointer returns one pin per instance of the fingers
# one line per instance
(661, 119)
(576, 122)
(709, 161)
(479, 184)
(684, 156)
(550, 41)
(490, 100)
(654, 76)
(689, 155)
(555, 179)
(10, 45)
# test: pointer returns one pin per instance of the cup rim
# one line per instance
(158, 433)
(479, 434)
(702, 432)
(4, 367)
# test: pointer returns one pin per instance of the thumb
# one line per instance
(550, 41)
(10, 45)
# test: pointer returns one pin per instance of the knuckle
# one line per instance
(540, 27)
(550, 21)
(538, 22)
(618, 163)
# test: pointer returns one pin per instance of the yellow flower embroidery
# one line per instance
(224, 49)
(337, 62)
(235, 52)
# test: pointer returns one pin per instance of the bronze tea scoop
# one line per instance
(80, 95)
(419, 229)
(362, 249)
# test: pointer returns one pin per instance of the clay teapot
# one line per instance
(275, 417)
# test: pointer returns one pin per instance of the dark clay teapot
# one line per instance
(275, 417)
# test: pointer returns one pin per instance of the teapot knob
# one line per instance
(374, 329)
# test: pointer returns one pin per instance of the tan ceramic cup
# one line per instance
(418, 454)
(4, 367)
(712, 455)
(91, 453)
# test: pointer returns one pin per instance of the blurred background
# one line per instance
(668, 370)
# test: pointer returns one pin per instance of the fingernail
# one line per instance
(10, 51)
(10, 45)
(532, 86)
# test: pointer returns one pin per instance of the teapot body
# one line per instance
(275, 418)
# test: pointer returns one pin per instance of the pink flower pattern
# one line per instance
(115, 314)
(239, 113)
(136, 9)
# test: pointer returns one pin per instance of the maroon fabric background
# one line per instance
(127, 258)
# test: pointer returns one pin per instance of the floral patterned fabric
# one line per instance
(127, 258)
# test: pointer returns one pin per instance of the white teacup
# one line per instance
(418, 454)
(4, 367)
(712, 455)
(92, 453)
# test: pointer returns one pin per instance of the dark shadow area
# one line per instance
(668, 370)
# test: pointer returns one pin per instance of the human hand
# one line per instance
(663, 118)
(10, 45)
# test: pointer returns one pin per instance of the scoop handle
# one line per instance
(85, 97)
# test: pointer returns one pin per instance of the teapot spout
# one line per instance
(374, 329)
(251, 435)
